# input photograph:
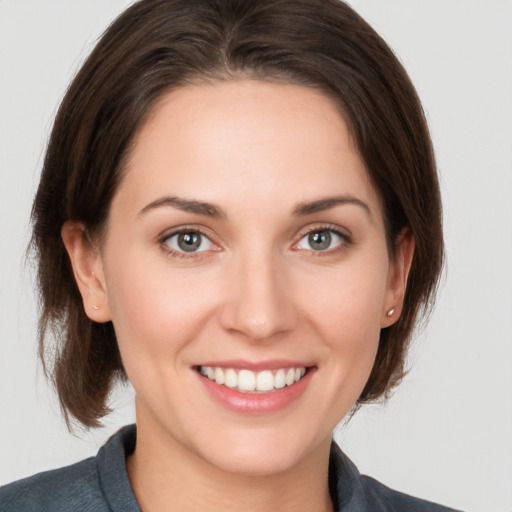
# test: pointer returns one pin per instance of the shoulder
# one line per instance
(359, 493)
(98, 484)
(391, 500)
(74, 487)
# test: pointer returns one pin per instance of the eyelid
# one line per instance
(324, 226)
(343, 233)
(186, 228)
(169, 233)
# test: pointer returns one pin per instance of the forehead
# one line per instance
(249, 139)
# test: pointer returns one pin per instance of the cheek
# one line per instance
(346, 311)
(349, 301)
(156, 310)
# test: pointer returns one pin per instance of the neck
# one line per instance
(166, 476)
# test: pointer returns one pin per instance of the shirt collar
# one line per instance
(344, 478)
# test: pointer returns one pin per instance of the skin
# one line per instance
(257, 290)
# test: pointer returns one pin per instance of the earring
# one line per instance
(390, 313)
(95, 307)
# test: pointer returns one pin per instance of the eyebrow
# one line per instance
(211, 210)
(187, 205)
(327, 203)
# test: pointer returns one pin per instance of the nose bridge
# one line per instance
(259, 305)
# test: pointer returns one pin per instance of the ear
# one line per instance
(397, 279)
(87, 267)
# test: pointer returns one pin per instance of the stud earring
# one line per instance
(390, 313)
(95, 307)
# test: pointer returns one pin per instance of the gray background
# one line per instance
(447, 433)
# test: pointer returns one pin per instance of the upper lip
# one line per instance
(255, 366)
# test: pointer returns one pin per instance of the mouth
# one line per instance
(247, 381)
(262, 389)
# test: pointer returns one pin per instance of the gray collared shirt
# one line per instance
(101, 484)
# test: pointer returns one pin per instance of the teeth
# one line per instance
(219, 376)
(280, 379)
(265, 381)
(248, 381)
(230, 378)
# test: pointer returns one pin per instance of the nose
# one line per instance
(259, 300)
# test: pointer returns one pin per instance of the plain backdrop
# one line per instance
(446, 435)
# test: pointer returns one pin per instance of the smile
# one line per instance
(247, 381)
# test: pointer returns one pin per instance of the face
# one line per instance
(246, 273)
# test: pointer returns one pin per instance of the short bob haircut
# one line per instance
(156, 46)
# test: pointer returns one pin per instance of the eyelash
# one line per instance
(346, 241)
(183, 254)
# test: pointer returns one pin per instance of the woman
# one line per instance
(239, 212)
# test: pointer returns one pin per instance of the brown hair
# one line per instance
(158, 45)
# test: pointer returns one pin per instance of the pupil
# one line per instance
(320, 240)
(189, 242)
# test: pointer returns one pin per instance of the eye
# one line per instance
(321, 240)
(189, 242)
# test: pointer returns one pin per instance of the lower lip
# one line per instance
(257, 403)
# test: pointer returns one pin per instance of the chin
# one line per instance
(261, 453)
